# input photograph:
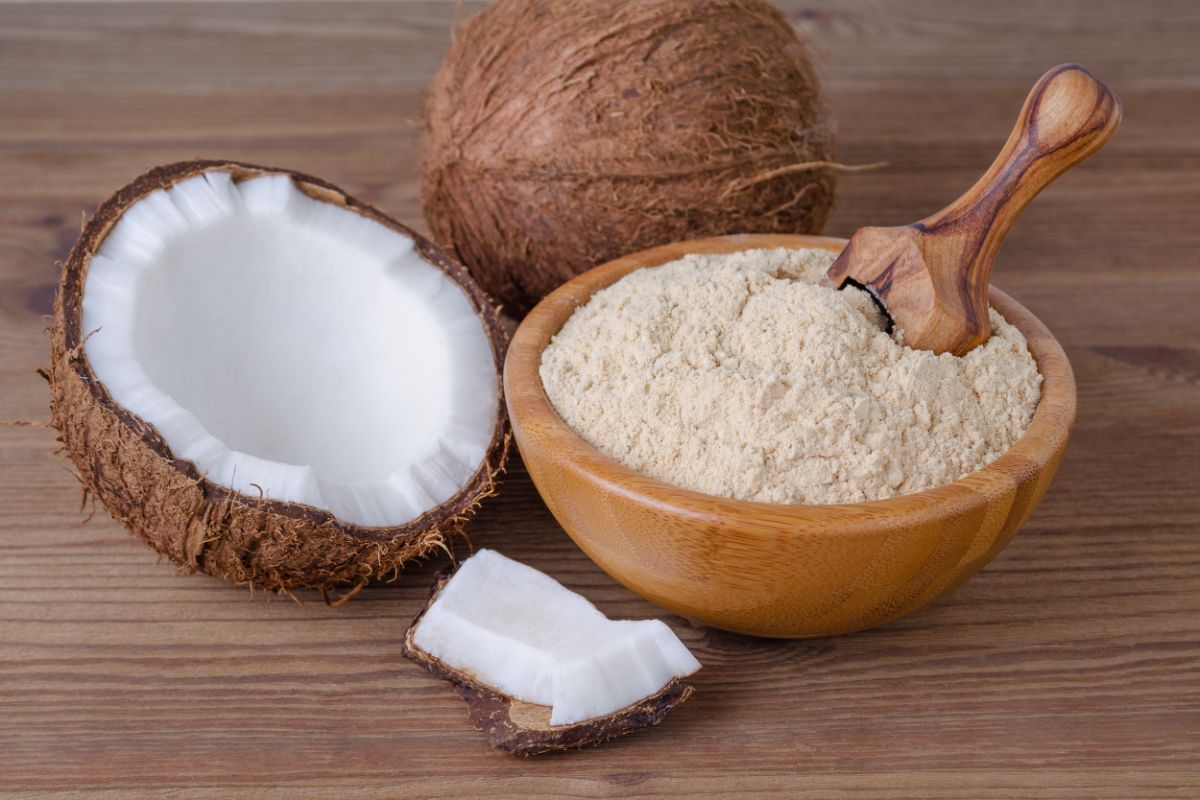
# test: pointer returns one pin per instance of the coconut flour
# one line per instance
(737, 375)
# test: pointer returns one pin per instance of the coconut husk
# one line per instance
(203, 526)
(560, 134)
(523, 729)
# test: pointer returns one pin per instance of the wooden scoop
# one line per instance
(932, 276)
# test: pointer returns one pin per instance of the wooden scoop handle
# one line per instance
(1068, 115)
(932, 276)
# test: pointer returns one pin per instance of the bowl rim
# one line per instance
(533, 415)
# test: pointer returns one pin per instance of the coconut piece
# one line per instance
(539, 666)
(560, 134)
(271, 381)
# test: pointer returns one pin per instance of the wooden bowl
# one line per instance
(777, 570)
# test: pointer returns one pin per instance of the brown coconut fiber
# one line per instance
(206, 527)
(560, 134)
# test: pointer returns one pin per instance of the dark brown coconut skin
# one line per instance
(560, 134)
(524, 729)
(202, 526)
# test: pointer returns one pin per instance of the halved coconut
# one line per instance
(270, 381)
(540, 667)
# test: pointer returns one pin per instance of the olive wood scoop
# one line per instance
(931, 277)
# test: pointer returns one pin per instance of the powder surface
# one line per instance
(737, 375)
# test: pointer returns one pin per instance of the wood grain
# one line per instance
(1068, 668)
(932, 276)
(765, 569)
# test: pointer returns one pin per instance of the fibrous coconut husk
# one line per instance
(523, 729)
(560, 134)
(207, 527)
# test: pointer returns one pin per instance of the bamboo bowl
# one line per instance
(777, 570)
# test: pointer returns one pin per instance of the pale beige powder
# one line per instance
(737, 376)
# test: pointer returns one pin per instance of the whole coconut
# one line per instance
(563, 133)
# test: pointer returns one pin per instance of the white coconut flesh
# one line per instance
(292, 349)
(522, 633)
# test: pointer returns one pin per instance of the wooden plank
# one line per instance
(1070, 667)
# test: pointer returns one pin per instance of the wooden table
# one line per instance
(1068, 668)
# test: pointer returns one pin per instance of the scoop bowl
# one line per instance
(766, 569)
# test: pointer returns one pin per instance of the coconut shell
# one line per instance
(203, 526)
(560, 134)
(523, 729)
